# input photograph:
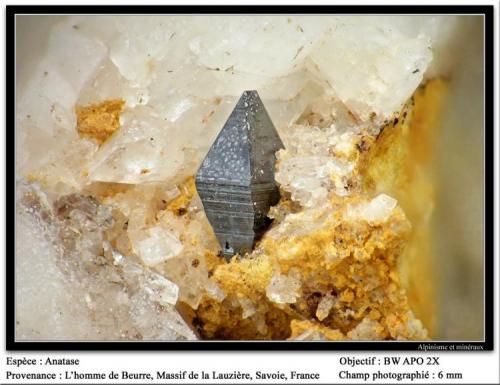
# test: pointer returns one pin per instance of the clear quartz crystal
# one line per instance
(283, 289)
(311, 179)
(158, 246)
(94, 292)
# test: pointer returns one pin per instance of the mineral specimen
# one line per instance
(236, 180)
(115, 115)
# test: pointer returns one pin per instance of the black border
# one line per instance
(12, 11)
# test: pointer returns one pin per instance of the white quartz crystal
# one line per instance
(373, 68)
(283, 289)
(310, 335)
(158, 246)
(310, 179)
(293, 224)
(315, 163)
(181, 75)
(379, 209)
(214, 291)
(167, 292)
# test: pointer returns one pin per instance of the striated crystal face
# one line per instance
(118, 233)
(236, 179)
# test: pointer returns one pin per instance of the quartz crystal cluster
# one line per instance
(116, 116)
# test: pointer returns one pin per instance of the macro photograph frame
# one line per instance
(220, 339)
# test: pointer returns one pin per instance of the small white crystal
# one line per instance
(379, 209)
(158, 246)
(415, 328)
(283, 289)
(168, 292)
(345, 143)
(214, 291)
(310, 179)
(248, 307)
(324, 307)
(367, 330)
(293, 224)
(310, 335)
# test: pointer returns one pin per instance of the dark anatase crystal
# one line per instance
(236, 180)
